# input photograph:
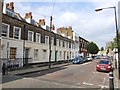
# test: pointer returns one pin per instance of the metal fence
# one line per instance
(12, 63)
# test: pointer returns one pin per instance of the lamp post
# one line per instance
(50, 43)
(116, 34)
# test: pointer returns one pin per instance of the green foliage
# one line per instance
(112, 46)
(92, 48)
(115, 44)
(102, 48)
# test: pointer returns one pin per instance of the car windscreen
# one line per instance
(104, 62)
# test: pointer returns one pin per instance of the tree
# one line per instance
(115, 44)
(102, 48)
(92, 48)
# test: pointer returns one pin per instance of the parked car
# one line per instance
(77, 60)
(89, 58)
(104, 65)
(85, 59)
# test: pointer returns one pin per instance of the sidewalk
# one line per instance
(35, 69)
(116, 80)
(115, 76)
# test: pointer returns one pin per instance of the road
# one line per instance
(71, 76)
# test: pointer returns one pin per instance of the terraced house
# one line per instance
(25, 41)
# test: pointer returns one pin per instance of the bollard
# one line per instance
(111, 82)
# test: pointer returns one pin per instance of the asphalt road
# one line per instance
(71, 76)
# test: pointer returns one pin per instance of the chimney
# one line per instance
(53, 27)
(42, 22)
(28, 15)
(10, 6)
(7, 5)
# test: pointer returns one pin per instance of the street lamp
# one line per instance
(116, 33)
(50, 51)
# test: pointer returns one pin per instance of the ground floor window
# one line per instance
(35, 53)
(12, 53)
(44, 53)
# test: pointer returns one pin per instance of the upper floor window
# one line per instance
(52, 41)
(5, 30)
(65, 44)
(57, 42)
(38, 37)
(61, 43)
(46, 40)
(30, 36)
(17, 32)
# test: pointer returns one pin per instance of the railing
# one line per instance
(12, 63)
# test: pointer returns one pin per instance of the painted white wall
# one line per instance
(40, 47)
(12, 43)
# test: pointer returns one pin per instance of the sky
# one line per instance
(98, 27)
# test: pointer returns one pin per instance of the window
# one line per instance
(46, 40)
(61, 43)
(17, 32)
(5, 30)
(65, 44)
(30, 36)
(38, 37)
(12, 53)
(52, 41)
(35, 53)
(60, 53)
(44, 54)
(57, 42)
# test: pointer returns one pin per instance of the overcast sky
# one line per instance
(98, 27)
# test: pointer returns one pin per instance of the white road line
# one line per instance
(103, 86)
(87, 83)
(56, 83)
(104, 81)
(85, 63)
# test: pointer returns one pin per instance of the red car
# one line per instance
(104, 65)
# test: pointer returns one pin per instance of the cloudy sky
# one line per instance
(98, 27)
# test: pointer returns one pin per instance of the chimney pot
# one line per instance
(7, 5)
(11, 3)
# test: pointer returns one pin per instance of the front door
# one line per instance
(56, 52)
(26, 56)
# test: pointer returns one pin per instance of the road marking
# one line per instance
(95, 72)
(87, 83)
(56, 83)
(103, 83)
(85, 63)
(103, 86)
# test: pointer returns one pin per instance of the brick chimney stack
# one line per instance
(10, 6)
(7, 5)
(41, 21)
(28, 15)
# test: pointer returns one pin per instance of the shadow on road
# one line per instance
(43, 72)
(9, 78)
